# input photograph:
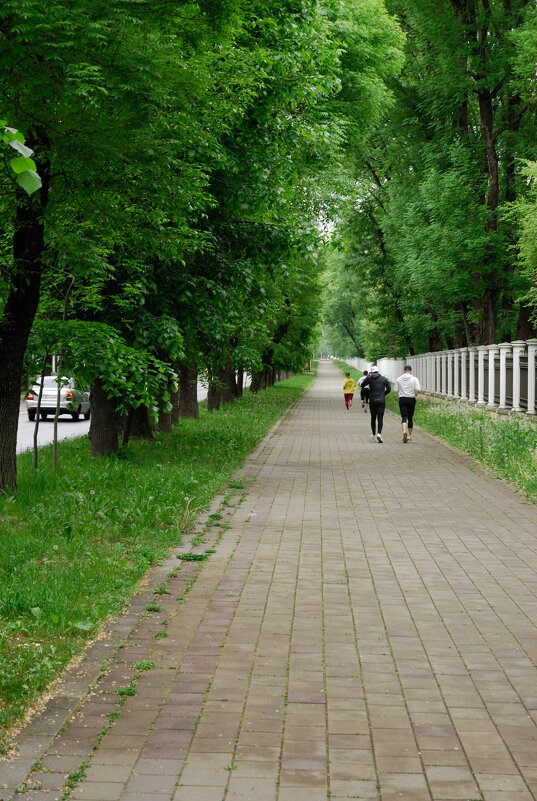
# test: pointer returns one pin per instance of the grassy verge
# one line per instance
(75, 543)
(506, 445)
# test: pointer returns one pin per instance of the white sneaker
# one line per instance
(373, 438)
(409, 438)
(379, 438)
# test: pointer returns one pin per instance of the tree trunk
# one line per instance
(486, 327)
(525, 327)
(188, 392)
(240, 383)
(214, 396)
(226, 377)
(255, 384)
(509, 307)
(18, 317)
(350, 334)
(103, 433)
(435, 340)
(140, 426)
(462, 330)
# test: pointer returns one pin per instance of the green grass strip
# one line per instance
(507, 445)
(75, 543)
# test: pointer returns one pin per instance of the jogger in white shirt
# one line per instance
(407, 386)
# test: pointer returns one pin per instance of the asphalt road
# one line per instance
(67, 429)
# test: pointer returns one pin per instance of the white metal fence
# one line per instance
(391, 368)
(500, 377)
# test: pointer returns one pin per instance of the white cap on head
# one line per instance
(374, 369)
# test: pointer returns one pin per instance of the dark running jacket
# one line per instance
(379, 387)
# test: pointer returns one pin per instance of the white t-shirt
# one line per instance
(407, 385)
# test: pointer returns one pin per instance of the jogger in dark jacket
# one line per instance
(379, 387)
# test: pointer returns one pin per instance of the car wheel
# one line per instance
(76, 415)
(44, 415)
(87, 414)
(31, 415)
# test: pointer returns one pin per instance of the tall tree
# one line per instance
(441, 167)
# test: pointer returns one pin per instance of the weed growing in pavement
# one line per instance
(153, 607)
(73, 779)
(28, 787)
(193, 557)
(505, 444)
(143, 664)
(76, 542)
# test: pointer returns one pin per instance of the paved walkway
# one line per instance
(366, 629)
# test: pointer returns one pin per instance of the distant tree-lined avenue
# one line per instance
(206, 176)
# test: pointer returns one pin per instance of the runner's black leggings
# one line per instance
(364, 394)
(406, 407)
(377, 416)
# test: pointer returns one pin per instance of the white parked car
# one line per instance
(73, 401)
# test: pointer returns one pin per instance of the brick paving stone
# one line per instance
(310, 778)
(159, 784)
(108, 773)
(114, 757)
(353, 788)
(249, 788)
(263, 768)
(97, 791)
(301, 794)
(194, 793)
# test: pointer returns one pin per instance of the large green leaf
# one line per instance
(29, 181)
(11, 134)
(22, 164)
(22, 149)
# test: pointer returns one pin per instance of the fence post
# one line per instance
(532, 350)
(464, 353)
(493, 352)
(481, 350)
(472, 350)
(505, 348)
(438, 372)
(518, 349)
(449, 363)
(456, 355)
